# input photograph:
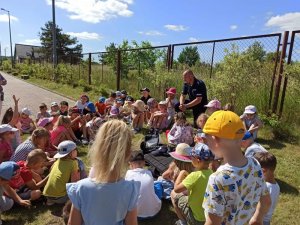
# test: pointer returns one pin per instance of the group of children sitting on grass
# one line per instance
(210, 181)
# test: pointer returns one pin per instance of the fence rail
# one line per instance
(159, 67)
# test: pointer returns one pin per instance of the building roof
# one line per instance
(28, 51)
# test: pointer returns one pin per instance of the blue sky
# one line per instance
(97, 23)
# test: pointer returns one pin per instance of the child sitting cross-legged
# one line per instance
(27, 124)
(188, 207)
(26, 182)
(148, 203)
(268, 163)
(138, 113)
(64, 170)
(7, 171)
(181, 131)
(159, 119)
(7, 134)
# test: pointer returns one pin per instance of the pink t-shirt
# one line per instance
(6, 148)
(56, 131)
(25, 123)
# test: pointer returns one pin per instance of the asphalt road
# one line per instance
(31, 96)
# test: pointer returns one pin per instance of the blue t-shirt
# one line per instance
(104, 203)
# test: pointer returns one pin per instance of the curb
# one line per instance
(47, 89)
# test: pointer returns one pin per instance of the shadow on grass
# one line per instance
(20, 215)
(272, 144)
(287, 188)
(166, 216)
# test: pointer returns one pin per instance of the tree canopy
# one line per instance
(66, 45)
(189, 56)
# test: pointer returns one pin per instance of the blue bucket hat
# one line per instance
(202, 152)
(8, 169)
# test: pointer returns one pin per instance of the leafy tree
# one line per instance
(189, 56)
(256, 51)
(66, 45)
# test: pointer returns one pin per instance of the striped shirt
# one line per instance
(22, 151)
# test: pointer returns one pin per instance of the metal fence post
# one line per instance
(212, 59)
(90, 68)
(289, 60)
(168, 62)
(118, 69)
(280, 72)
(274, 72)
(171, 56)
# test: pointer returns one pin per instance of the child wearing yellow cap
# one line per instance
(236, 193)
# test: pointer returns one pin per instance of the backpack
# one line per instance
(150, 143)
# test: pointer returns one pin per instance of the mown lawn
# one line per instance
(288, 175)
(286, 213)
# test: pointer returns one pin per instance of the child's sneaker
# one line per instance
(84, 141)
(78, 142)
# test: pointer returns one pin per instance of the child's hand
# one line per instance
(15, 99)
(25, 203)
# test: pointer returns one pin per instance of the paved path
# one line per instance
(30, 95)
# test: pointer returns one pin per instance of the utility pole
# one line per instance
(11, 52)
(54, 53)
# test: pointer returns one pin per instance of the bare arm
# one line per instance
(262, 209)
(35, 186)
(75, 217)
(75, 176)
(182, 99)
(131, 217)
(12, 193)
(15, 117)
(179, 187)
(213, 219)
(196, 101)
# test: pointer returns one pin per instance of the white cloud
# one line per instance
(175, 27)
(285, 22)
(34, 41)
(4, 18)
(151, 33)
(85, 35)
(233, 27)
(94, 11)
(193, 39)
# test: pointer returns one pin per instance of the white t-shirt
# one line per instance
(234, 192)
(80, 106)
(274, 190)
(254, 148)
(148, 203)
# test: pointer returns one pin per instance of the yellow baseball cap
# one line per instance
(225, 124)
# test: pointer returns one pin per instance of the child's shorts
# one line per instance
(181, 201)
(24, 193)
(57, 200)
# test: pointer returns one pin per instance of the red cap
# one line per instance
(171, 90)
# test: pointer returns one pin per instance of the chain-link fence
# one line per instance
(290, 98)
(232, 68)
(240, 71)
(144, 67)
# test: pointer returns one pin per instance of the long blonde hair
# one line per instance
(62, 120)
(110, 151)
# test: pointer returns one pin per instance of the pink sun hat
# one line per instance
(214, 104)
(182, 153)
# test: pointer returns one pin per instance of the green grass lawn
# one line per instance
(288, 176)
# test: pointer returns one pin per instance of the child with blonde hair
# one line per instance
(26, 182)
(236, 193)
(138, 113)
(200, 122)
(27, 124)
(64, 170)
(106, 198)
(171, 102)
(181, 132)
(159, 119)
(61, 131)
(39, 139)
